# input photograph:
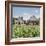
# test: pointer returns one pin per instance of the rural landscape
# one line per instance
(25, 27)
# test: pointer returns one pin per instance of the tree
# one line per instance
(13, 21)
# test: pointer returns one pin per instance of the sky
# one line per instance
(25, 12)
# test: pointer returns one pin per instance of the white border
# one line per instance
(41, 27)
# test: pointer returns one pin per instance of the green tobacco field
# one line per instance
(25, 31)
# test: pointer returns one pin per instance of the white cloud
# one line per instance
(36, 11)
(26, 16)
(25, 13)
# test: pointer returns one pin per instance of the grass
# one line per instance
(25, 31)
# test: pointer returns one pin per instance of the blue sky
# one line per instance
(26, 12)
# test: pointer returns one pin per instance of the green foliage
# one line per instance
(25, 31)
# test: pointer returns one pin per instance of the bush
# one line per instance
(25, 31)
